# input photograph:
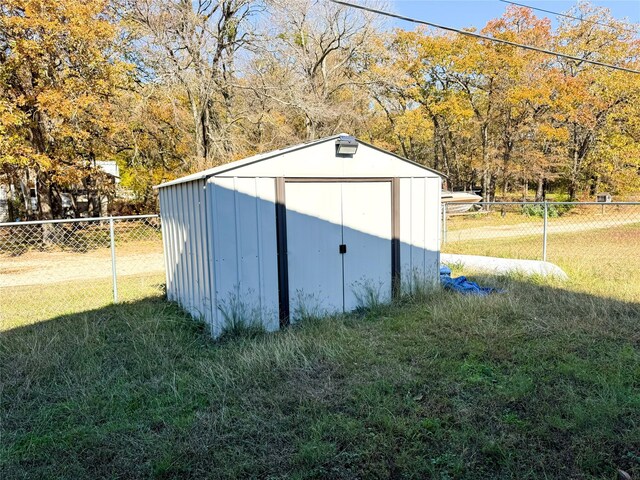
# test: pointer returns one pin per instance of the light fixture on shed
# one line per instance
(346, 145)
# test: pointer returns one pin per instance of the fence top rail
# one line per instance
(77, 220)
(542, 203)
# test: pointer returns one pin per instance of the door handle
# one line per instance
(343, 249)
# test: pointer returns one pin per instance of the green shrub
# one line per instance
(553, 211)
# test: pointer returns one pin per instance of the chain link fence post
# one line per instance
(444, 223)
(544, 230)
(113, 260)
(59, 267)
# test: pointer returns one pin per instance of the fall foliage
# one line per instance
(60, 73)
(164, 88)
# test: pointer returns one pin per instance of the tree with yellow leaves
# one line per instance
(588, 98)
(59, 71)
(504, 118)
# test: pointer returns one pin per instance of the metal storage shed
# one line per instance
(307, 230)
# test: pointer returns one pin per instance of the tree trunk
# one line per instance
(573, 189)
(486, 177)
(436, 157)
(595, 185)
(493, 187)
(454, 160)
(197, 130)
(540, 194)
(205, 126)
(11, 212)
(43, 189)
(310, 128)
(506, 161)
(575, 167)
(445, 155)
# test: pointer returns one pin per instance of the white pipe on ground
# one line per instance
(504, 265)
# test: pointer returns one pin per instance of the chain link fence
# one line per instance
(536, 230)
(48, 269)
(590, 241)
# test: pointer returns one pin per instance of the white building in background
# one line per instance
(308, 230)
(110, 167)
(4, 203)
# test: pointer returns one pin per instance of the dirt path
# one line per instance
(37, 268)
(526, 229)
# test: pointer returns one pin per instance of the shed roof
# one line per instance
(265, 156)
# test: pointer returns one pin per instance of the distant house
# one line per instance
(91, 197)
(90, 200)
(111, 168)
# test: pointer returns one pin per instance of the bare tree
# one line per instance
(194, 45)
(312, 62)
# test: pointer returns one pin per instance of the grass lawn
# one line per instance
(539, 382)
(28, 304)
(604, 262)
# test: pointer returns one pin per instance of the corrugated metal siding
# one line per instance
(244, 249)
(433, 219)
(419, 231)
(184, 227)
(166, 251)
(168, 232)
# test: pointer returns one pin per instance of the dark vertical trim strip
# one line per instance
(342, 259)
(395, 237)
(283, 264)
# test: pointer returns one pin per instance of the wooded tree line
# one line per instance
(167, 87)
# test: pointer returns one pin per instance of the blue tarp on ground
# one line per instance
(462, 285)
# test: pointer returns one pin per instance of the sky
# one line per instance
(476, 13)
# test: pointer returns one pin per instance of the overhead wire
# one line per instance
(586, 20)
(483, 37)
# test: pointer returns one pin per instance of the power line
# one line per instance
(483, 37)
(586, 20)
